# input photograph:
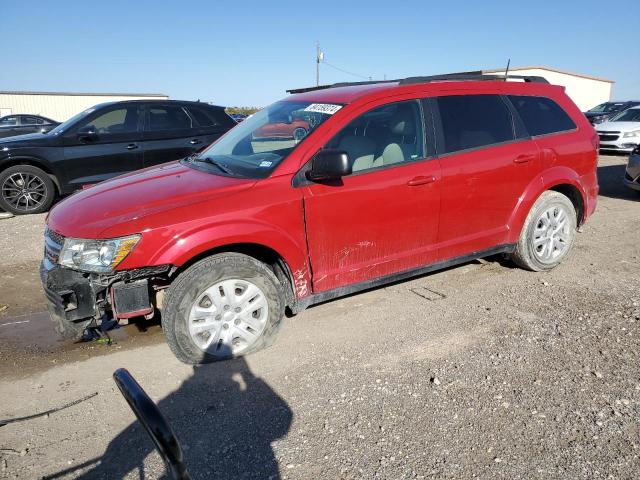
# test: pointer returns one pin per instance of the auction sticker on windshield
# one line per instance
(326, 108)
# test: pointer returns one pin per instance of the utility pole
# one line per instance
(319, 58)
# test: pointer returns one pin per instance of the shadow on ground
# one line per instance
(610, 179)
(225, 418)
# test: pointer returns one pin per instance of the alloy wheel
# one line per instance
(24, 191)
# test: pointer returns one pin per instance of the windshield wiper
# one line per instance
(221, 166)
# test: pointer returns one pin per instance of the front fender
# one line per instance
(545, 181)
(172, 248)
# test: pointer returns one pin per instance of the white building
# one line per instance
(62, 106)
(585, 90)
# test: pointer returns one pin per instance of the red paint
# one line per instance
(281, 129)
(372, 225)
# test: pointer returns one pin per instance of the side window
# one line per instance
(119, 120)
(9, 121)
(210, 117)
(472, 121)
(541, 115)
(30, 120)
(384, 136)
(168, 117)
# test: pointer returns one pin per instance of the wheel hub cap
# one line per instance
(228, 317)
(552, 235)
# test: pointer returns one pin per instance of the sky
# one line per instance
(246, 53)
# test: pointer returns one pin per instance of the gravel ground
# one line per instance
(479, 371)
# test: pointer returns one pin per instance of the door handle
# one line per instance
(421, 180)
(132, 146)
(195, 141)
(524, 158)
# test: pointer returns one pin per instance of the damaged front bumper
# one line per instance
(76, 299)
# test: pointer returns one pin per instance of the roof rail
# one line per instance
(471, 76)
(462, 76)
(336, 85)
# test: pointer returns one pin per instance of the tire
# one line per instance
(539, 248)
(200, 309)
(33, 187)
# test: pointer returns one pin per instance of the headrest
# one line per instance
(403, 122)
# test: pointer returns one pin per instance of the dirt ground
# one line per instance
(479, 371)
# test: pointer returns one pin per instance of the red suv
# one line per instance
(392, 180)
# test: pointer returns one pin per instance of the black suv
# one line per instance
(100, 143)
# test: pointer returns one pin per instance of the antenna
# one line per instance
(506, 72)
(319, 58)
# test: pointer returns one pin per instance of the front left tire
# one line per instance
(25, 189)
(224, 306)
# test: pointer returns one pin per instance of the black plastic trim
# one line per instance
(396, 277)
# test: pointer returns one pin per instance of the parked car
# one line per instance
(606, 110)
(100, 143)
(284, 128)
(12, 125)
(394, 179)
(632, 172)
(622, 132)
(238, 117)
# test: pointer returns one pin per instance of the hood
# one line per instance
(146, 199)
(27, 140)
(618, 126)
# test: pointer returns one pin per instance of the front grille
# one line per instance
(52, 245)
(609, 136)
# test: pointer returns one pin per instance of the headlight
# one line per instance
(635, 133)
(99, 256)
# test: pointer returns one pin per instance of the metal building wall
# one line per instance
(585, 91)
(61, 106)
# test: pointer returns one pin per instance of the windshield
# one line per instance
(631, 115)
(63, 126)
(255, 147)
(606, 107)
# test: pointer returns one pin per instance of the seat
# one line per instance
(361, 151)
(402, 143)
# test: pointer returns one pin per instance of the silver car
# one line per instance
(621, 132)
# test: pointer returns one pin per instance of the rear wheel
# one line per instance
(25, 189)
(548, 233)
(227, 305)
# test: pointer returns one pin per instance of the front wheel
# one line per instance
(548, 233)
(25, 189)
(227, 305)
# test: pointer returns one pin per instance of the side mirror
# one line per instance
(151, 418)
(329, 165)
(87, 133)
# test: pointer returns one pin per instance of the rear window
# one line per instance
(472, 121)
(541, 115)
(168, 117)
(210, 117)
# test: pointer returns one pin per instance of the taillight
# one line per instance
(595, 141)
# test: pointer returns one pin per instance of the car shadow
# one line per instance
(611, 185)
(225, 418)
